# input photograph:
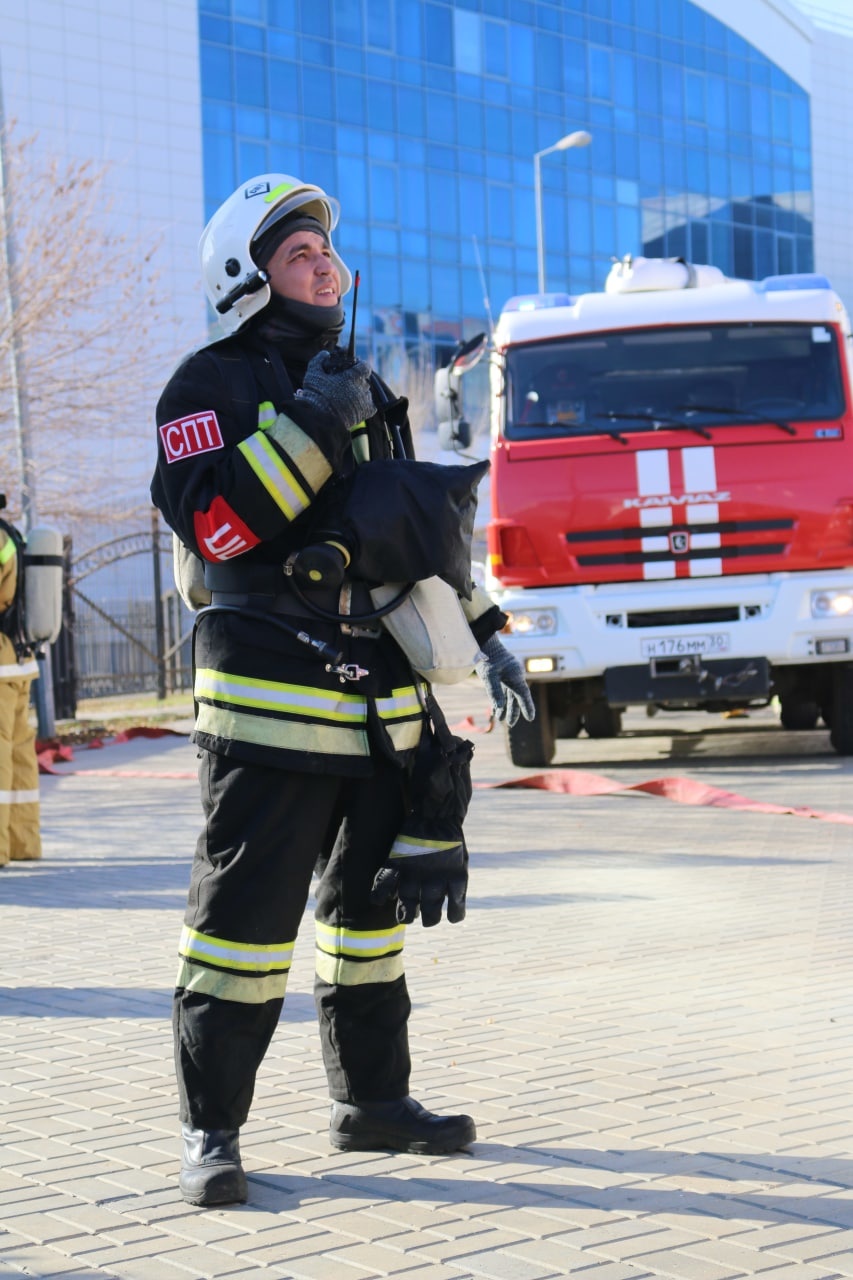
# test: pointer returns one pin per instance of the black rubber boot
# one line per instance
(401, 1125)
(211, 1172)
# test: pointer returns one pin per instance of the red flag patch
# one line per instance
(187, 436)
(220, 533)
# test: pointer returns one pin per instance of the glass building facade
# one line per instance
(423, 118)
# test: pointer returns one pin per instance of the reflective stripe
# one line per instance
(272, 957)
(306, 455)
(360, 442)
(16, 670)
(350, 973)
(7, 551)
(353, 957)
(337, 940)
(19, 797)
(402, 702)
(269, 695)
(280, 483)
(231, 986)
(411, 847)
(288, 735)
(266, 415)
(405, 734)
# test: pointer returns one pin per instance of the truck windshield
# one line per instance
(649, 379)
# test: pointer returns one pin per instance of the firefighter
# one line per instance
(304, 756)
(20, 837)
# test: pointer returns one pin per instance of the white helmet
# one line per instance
(235, 287)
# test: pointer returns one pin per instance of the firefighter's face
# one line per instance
(302, 269)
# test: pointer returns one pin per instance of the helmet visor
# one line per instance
(324, 208)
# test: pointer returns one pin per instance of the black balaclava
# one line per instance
(301, 328)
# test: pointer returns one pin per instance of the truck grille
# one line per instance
(682, 617)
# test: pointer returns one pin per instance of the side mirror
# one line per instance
(454, 435)
(469, 353)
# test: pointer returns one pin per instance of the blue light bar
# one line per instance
(802, 280)
(538, 301)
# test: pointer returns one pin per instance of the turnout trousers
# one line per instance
(20, 838)
(265, 831)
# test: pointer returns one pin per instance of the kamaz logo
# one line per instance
(676, 499)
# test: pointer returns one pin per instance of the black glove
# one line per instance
(420, 881)
(503, 676)
(344, 394)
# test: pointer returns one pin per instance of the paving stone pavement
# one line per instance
(647, 1010)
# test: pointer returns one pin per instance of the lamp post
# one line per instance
(580, 138)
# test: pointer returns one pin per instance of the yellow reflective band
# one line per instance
(338, 972)
(7, 551)
(266, 415)
(411, 847)
(269, 695)
(280, 483)
(225, 954)
(405, 734)
(284, 735)
(231, 986)
(403, 702)
(307, 456)
(337, 940)
(278, 191)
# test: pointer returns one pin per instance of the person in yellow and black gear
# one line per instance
(304, 757)
(20, 837)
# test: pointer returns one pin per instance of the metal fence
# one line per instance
(125, 628)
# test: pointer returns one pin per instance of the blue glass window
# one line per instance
(409, 17)
(282, 13)
(315, 17)
(352, 180)
(500, 212)
(413, 198)
(441, 117)
(494, 48)
(350, 99)
(379, 29)
(383, 192)
(600, 72)
(467, 41)
(443, 197)
(521, 61)
(439, 34)
(347, 15)
(216, 77)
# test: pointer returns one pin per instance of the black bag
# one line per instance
(406, 521)
(428, 861)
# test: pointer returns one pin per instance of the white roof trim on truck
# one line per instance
(778, 298)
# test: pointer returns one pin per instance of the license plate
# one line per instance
(675, 646)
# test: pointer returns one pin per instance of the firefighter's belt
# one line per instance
(264, 587)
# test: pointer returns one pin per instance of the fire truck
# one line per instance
(672, 500)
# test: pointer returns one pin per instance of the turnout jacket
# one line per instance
(247, 472)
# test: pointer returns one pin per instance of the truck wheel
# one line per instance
(568, 726)
(603, 721)
(531, 744)
(799, 713)
(841, 729)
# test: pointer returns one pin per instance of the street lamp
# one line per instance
(580, 138)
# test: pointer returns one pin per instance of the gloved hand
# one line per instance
(344, 394)
(421, 881)
(503, 676)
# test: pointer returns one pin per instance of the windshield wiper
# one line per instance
(574, 428)
(658, 421)
(751, 415)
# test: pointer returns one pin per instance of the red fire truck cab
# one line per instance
(672, 499)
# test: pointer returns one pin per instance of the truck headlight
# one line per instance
(832, 603)
(533, 622)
